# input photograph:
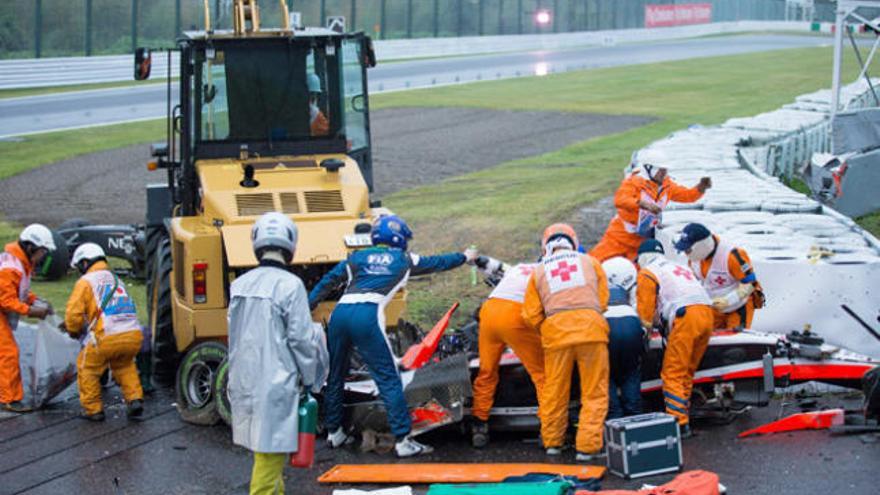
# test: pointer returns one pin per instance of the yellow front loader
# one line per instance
(264, 120)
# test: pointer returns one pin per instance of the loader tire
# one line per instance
(164, 348)
(196, 401)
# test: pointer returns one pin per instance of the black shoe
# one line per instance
(97, 417)
(135, 409)
(17, 407)
(479, 433)
(686, 431)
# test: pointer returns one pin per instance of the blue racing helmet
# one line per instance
(390, 230)
(690, 235)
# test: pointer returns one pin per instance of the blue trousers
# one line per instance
(625, 355)
(357, 325)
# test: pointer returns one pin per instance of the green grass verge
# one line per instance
(871, 223)
(32, 151)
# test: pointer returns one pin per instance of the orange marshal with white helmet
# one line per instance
(565, 299)
(640, 201)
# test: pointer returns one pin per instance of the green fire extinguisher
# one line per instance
(304, 457)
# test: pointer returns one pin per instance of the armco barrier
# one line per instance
(46, 72)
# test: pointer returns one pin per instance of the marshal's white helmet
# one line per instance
(621, 272)
(39, 235)
(88, 251)
(274, 230)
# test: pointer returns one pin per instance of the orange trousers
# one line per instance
(593, 369)
(617, 242)
(685, 347)
(741, 318)
(502, 326)
(11, 389)
(118, 352)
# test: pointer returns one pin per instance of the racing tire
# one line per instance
(164, 345)
(196, 401)
(57, 262)
(221, 382)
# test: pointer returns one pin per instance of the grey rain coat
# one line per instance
(275, 349)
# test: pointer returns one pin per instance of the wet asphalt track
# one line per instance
(76, 109)
(53, 452)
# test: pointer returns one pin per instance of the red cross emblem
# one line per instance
(683, 272)
(719, 280)
(525, 270)
(564, 270)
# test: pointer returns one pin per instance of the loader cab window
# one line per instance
(264, 93)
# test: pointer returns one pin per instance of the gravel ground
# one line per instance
(412, 146)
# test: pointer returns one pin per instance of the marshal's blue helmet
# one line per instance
(390, 230)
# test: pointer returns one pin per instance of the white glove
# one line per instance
(733, 298)
(471, 254)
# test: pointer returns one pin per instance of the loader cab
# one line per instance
(271, 95)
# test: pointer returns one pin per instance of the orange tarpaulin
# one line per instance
(448, 473)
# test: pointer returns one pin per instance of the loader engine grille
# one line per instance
(289, 203)
(251, 205)
(324, 201)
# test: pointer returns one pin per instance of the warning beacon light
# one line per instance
(542, 17)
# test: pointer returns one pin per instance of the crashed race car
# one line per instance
(739, 369)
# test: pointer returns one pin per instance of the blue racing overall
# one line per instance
(372, 276)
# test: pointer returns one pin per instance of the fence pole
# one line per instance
(460, 28)
(480, 17)
(38, 27)
(381, 19)
(555, 17)
(134, 26)
(519, 17)
(409, 10)
(436, 18)
(323, 20)
(177, 18)
(88, 40)
(500, 16)
(409, 19)
(353, 16)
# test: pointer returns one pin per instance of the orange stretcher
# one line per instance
(448, 472)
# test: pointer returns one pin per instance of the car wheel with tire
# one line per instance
(196, 400)
(221, 382)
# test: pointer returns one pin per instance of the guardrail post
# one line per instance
(134, 25)
(381, 18)
(38, 28)
(436, 18)
(88, 34)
